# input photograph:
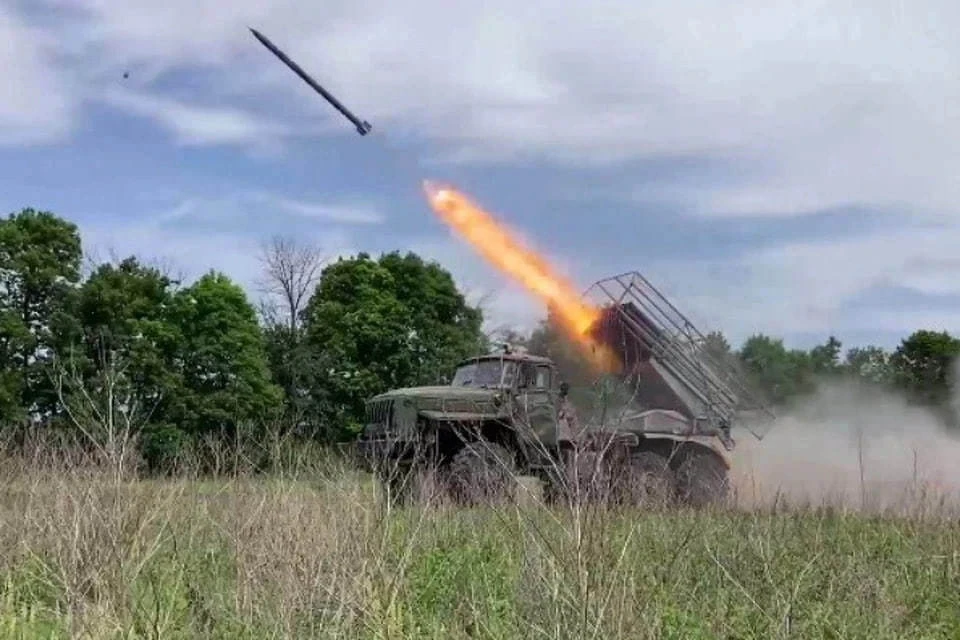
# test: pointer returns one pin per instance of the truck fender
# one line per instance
(697, 442)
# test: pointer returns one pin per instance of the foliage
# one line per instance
(924, 365)
(443, 328)
(871, 364)
(381, 324)
(39, 267)
(226, 379)
(781, 374)
(128, 308)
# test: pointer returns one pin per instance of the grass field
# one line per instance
(315, 554)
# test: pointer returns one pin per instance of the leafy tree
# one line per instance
(380, 324)
(222, 359)
(444, 328)
(40, 257)
(128, 308)
(717, 346)
(294, 367)
(923, 366)
(124, 313)
(825, 358)
(14, 338)
(869, 363)
(781, 374)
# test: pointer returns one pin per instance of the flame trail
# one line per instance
(507, 253)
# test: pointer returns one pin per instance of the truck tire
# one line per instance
(482, 472)
(702, 480)
(583, 478)
(646, 480)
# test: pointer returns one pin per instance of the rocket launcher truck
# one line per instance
(659, 427)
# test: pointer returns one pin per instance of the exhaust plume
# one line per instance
(508, 254)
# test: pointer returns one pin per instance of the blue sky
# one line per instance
(788, 168)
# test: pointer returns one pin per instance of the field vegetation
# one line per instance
(169, 469)
(312, 551)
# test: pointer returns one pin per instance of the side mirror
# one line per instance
(564, 389)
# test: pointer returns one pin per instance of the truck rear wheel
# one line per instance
(702, 480)
(482, 472)
(583, 477)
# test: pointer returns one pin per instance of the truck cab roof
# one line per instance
(512, 356)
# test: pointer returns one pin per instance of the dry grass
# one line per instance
(314, 553)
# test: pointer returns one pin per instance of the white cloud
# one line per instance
(348, 214)
(35, 101)
(246, 209)
(833, 103)
(816, 105)
(195, 125)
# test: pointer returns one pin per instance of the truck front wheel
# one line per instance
(482, 472)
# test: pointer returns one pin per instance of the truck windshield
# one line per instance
(485, 373)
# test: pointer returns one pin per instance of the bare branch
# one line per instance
(291, 271)
(107, 408)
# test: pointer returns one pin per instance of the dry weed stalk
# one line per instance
(108, 409)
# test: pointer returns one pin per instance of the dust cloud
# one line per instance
(853, 448)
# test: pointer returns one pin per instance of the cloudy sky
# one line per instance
(784, 167)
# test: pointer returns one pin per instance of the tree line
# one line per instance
(125, 354)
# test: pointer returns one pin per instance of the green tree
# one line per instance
(825, 358)
(870, 363)
(14, 338)
(443, 327)
(40, 256)
(923, 366)
(124, 313)
(380, 324)
(223, 359)
(782, 375)
(717, 346)
(128, 308)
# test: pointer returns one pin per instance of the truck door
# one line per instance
(539, 403)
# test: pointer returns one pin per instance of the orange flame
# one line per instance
(508, 254)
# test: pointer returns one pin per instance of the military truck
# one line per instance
(662, 430)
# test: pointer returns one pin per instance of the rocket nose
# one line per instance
(430, 188)
(437, 194)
